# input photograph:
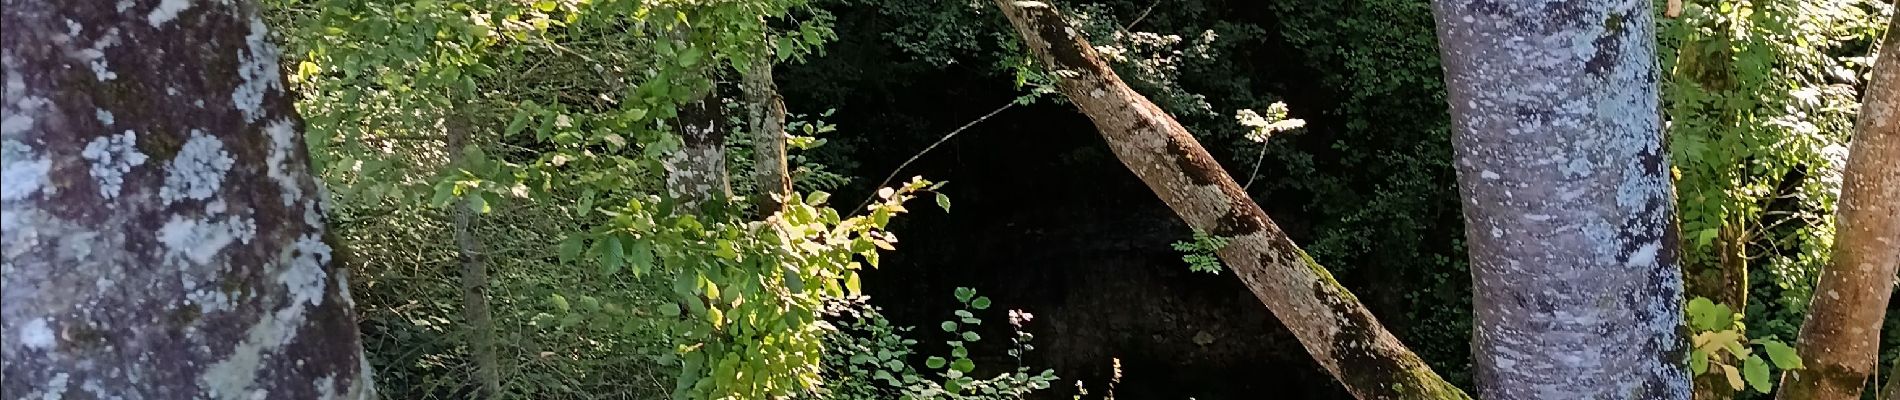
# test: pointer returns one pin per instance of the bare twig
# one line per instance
(920, 154)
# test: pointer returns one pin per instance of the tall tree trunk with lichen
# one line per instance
(474, 272)
(163, 237)
(696, 173)
(1333, 326)
(1569, 212)
(1840, 340)
(765, 115)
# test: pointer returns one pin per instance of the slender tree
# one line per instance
(1333, 326)
(474, 273)
(1569, 213)
(162, 236)
(1840, 340)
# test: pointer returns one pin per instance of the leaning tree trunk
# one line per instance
(1333, 326)
(1569, 213)
(765, 112)
(1840, 340)
(475, 310)
(162, 236)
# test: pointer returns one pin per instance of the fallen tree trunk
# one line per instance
(1333, 326)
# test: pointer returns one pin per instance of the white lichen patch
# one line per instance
(283, 139)
(104, 116)
(95, 56)
(201, 240)
(304, 276)
(198, 170)
(36, 334)
(257, 68)
(209, 300)
(20, 178)
(112, 156)
(56, 387)
(166, 11)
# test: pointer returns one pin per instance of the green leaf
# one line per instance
(613, 256)
(670, 310)
(640, 254)
(934, 362)
(560, 302)
(1756, 371)
(963, 364)
(517, 124)
(1706, 315)
(690, 57)
(1734, 376)
(943, 202)
(1698, 361)
(964, 294)
(571, 247)
(971, 336)
(981, 303)
(851, 283)
(949, 326)
(1783, 355)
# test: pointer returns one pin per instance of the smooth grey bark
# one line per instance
(474, 273)
(1338, 331)
(161, 233)
(1840, 340)
(1569, 210)
(765, 113)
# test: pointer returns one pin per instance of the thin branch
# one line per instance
(920, 154)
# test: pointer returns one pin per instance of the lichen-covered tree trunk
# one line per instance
(697, 172)
(1569, 212)
(474, 263)
(1840, 340)
(1332, 325)
(765, 112)
(162, 236)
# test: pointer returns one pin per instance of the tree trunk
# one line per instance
(481, 322)
(1840, 340)
(1333, 326)
(162, 236)
(697, 172)
(1569, 212)
(765, 112)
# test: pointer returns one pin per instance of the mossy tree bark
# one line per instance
(1840, 340)
(1333, 326)
(162, 235)
(1569, 209)
(474, 272)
